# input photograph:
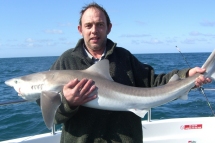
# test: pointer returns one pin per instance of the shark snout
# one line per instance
(10, 82)
(13, 83)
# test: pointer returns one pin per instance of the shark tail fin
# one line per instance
(49, 102)
(209, 65)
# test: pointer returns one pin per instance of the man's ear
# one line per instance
(79, 29)
(109, 28)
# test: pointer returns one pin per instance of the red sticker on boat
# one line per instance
(190, 127)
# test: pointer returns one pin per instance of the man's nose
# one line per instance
(94, 29)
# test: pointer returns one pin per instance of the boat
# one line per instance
(177, 130)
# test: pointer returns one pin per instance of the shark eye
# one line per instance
(16, 81)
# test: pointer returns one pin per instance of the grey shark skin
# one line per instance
(111, 95)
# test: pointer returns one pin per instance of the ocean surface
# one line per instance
(25, 119)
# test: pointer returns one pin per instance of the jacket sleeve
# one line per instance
(162, 79)
(64, 111)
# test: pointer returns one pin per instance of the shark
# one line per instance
(114, 96)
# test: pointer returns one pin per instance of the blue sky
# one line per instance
(31, 28)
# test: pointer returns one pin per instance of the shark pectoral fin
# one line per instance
(184, 97)
(49, 102)
(138, 112)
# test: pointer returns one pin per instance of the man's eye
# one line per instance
(101, 24)
(88, 26)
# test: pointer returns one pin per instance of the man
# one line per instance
(88, 125)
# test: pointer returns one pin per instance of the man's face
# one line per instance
(94, 29)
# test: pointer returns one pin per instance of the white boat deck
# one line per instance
(180, 130)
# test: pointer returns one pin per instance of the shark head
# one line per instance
(26, 86)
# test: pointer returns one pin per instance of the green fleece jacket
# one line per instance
(88, 125)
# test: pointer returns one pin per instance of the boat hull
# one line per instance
(179, 130)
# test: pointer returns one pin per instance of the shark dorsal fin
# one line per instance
(175, 77)
(101, 68)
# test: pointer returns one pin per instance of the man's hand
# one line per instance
(201, 79)
(79, 92)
